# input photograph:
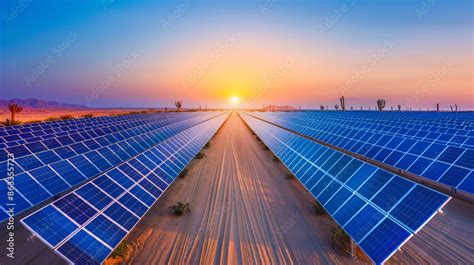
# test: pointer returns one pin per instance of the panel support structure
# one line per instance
(353, 249)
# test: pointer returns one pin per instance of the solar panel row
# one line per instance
(50, 140)
(379, 210)
(59, 171)
(22, 134)
(85, 225)
(42, 152)
(439, 161)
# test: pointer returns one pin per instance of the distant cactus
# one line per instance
(455, 109)
(360, 107)
(14, 108)
(336, 107)
(352, 108)
(178, 104)
(321, 107)
(399, 107)
(437, 107)
(391, 108)
(380, 104)
(343, 103)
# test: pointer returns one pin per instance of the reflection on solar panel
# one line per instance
(85, 225)
(51, 165)
(380, 211)
(437, 146)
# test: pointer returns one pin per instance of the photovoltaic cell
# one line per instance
(364, 200)
(112, 211)
(439, 148)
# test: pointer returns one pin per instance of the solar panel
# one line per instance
(42, 174)
(430, 145)
(97, 216)
(379, 210)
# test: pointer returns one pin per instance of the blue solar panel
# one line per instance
(50, 174)
(363, 199)
(105, 229)
(83, 248)
(94, 196)
(426, 144)
(76, 208)
(111, 205)
(58, 226)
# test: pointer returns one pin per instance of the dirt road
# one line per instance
(243, 211)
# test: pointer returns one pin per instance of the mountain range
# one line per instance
(33, 103)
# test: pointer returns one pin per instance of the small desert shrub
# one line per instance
(276, 159)
(9, 122)
(33, 121)
(66, 117)
(266, 148)
(207, 145)
(341, 238)
(258, 139)
(88, 115)
(183, 173)
(52, 119)
(200, 155)
(318, 209)
(290, 176)
(180, 208)
(120, 251)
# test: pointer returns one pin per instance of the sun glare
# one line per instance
(234, 100)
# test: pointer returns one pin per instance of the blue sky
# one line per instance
(63, 50)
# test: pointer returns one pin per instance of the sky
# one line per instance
(124, 53)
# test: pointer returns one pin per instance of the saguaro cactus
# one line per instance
(399, 107)
(381, 104)
(14, 109)
(437, 107)
(336, 107)
(343, 103)
(178, 104)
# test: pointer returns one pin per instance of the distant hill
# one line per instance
(33, 103)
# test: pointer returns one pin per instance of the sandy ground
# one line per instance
(243, 211)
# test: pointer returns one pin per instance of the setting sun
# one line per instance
(234, 100)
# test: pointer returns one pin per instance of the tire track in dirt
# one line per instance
(243, 211)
